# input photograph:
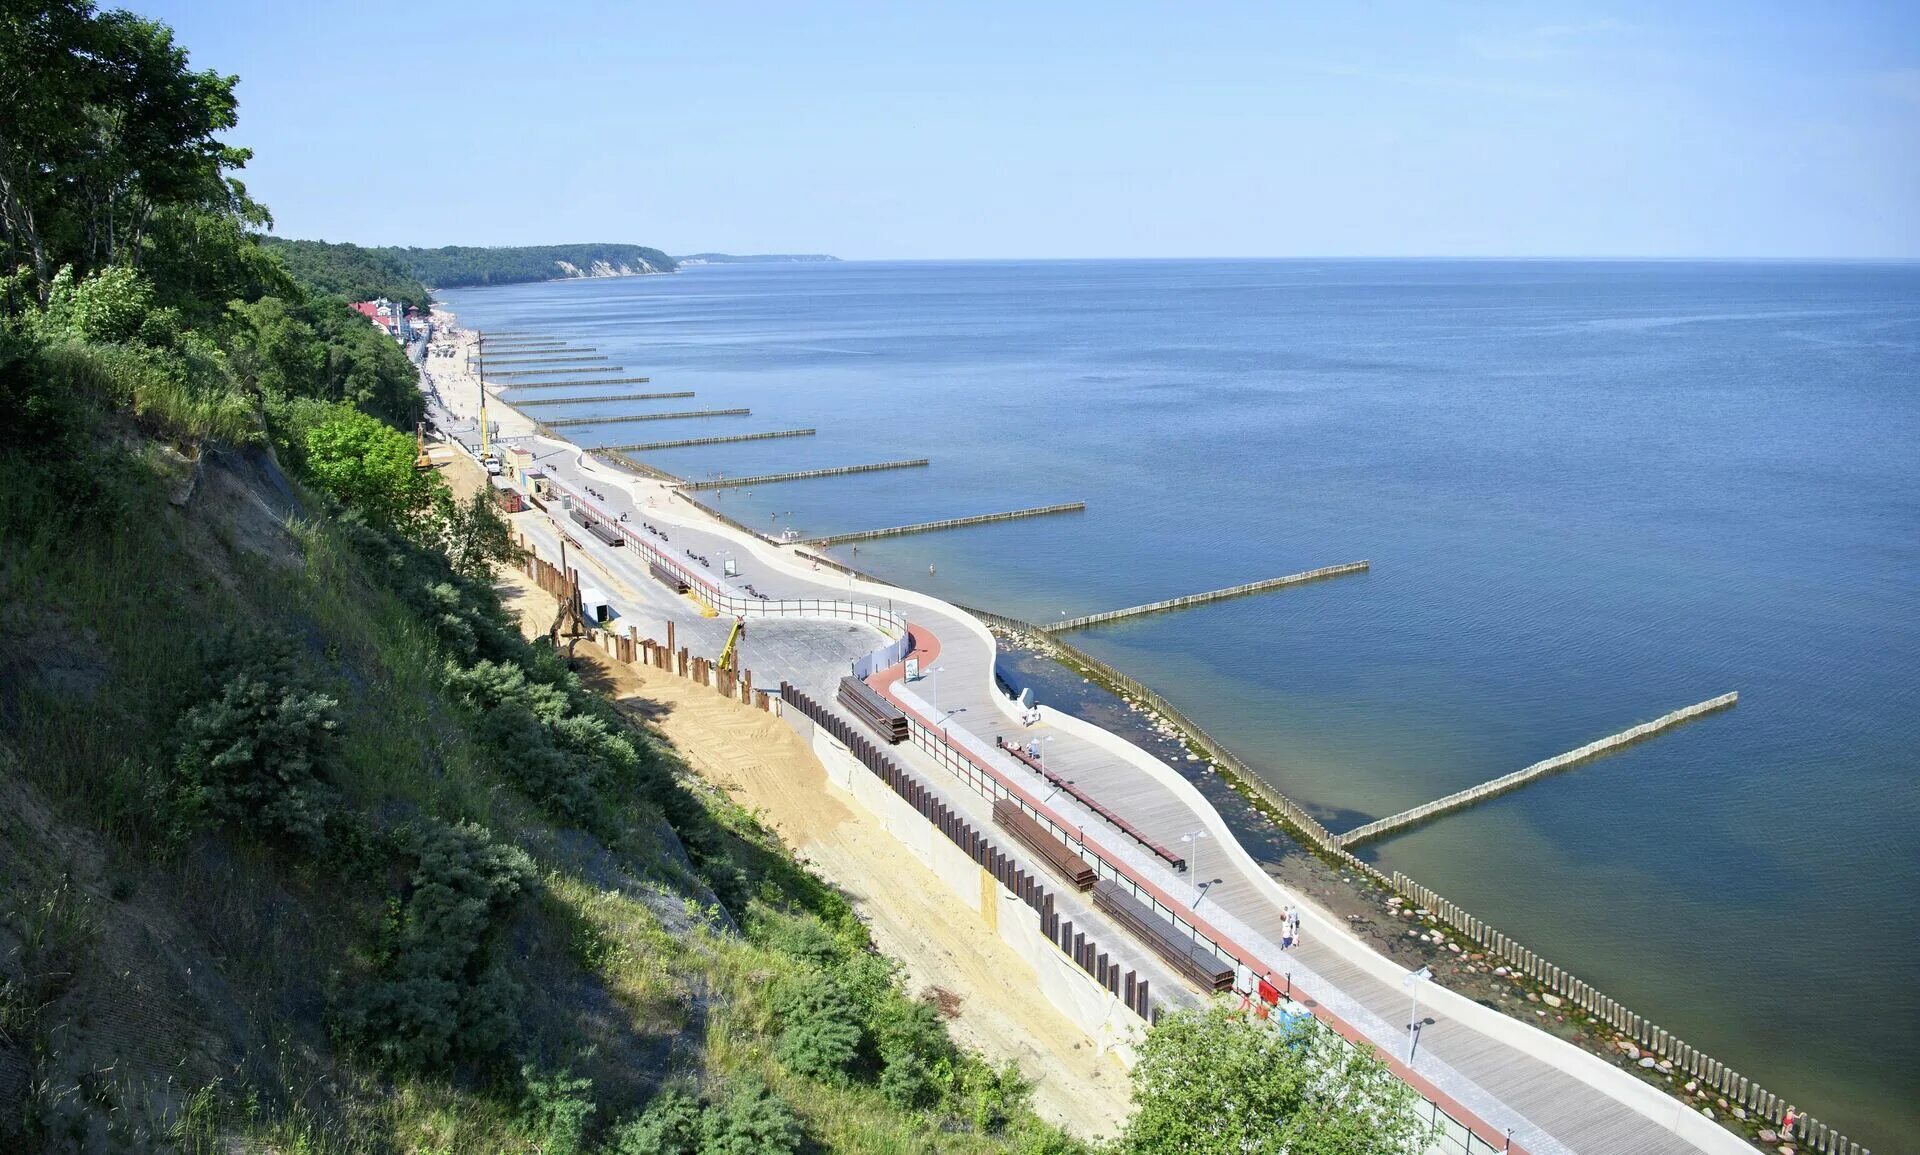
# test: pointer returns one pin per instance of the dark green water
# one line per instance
(1592, 493)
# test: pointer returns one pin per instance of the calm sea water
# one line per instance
(1591, 493)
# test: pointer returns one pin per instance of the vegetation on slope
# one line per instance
(360, 272)
(302, 845)
(348, 270)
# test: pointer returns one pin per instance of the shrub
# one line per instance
(821, 1033)
(1218, 1081)
(260, 753)
(672, 1124)
(916, 1056)
(750, 1121)
(556, 1110)
(438, 994)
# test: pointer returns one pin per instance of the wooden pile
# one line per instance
(1009, 817)
(1197, 964)
(868, 706)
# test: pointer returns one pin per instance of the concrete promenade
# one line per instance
(1491, 1068)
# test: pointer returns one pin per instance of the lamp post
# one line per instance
(1412, 981)
(1193, 863)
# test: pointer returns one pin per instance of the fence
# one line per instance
(1763, 1106)
(887, 620)
(976, 771)
(1130, 988)
(1684, 1058)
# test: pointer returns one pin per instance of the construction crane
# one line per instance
(732, 649)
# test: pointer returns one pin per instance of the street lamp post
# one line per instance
(1193, 863)
(1412, 982)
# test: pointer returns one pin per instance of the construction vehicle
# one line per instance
(420, 458)
(732, 651)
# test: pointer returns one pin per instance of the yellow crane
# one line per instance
(732, 649)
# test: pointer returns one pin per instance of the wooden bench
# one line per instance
(1087, 800)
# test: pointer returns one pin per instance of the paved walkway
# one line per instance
(1552, 1096)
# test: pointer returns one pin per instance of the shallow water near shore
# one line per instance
(1591, 493)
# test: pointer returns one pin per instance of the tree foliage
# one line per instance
(348, 270)
(1217, 1082)
(438, 994)
(106, 129)
(368, 466)
(261, 753)
(457, 265)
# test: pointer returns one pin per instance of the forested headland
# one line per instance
(408, 273)
(304, 846)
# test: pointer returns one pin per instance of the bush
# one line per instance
(556, 1110)
(437, 994)
(821, 1031)
(672, 1124)
(916, 1056)
(368, 467)
(1216, 1081)
(260, 754)
(750, 1121)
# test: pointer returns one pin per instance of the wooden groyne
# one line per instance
(547, 359)
(519, 384)
(510, 348)
(686, 442)
(1519, 778)
(521, 404)
(563, 422)
(950, 523)
(802, 474)
(1311, 575)
(638, 466)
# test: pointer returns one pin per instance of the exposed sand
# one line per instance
(941, 944)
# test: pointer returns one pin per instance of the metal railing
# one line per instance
(886, 619)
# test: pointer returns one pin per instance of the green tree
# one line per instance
(1217, 1082)
(472, 533)
(106, 128)
(369, 467)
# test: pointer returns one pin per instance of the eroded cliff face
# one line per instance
(605, 269)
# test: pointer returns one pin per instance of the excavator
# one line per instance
(732, 651)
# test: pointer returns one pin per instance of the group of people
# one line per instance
(1290, 929)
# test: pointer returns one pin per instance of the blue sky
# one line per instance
(1093, 130)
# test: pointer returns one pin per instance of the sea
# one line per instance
(1591, 493)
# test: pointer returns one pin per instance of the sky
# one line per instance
(978, 130)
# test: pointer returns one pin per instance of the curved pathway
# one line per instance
(1495, 1073)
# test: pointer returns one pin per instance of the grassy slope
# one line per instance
(181, 992)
